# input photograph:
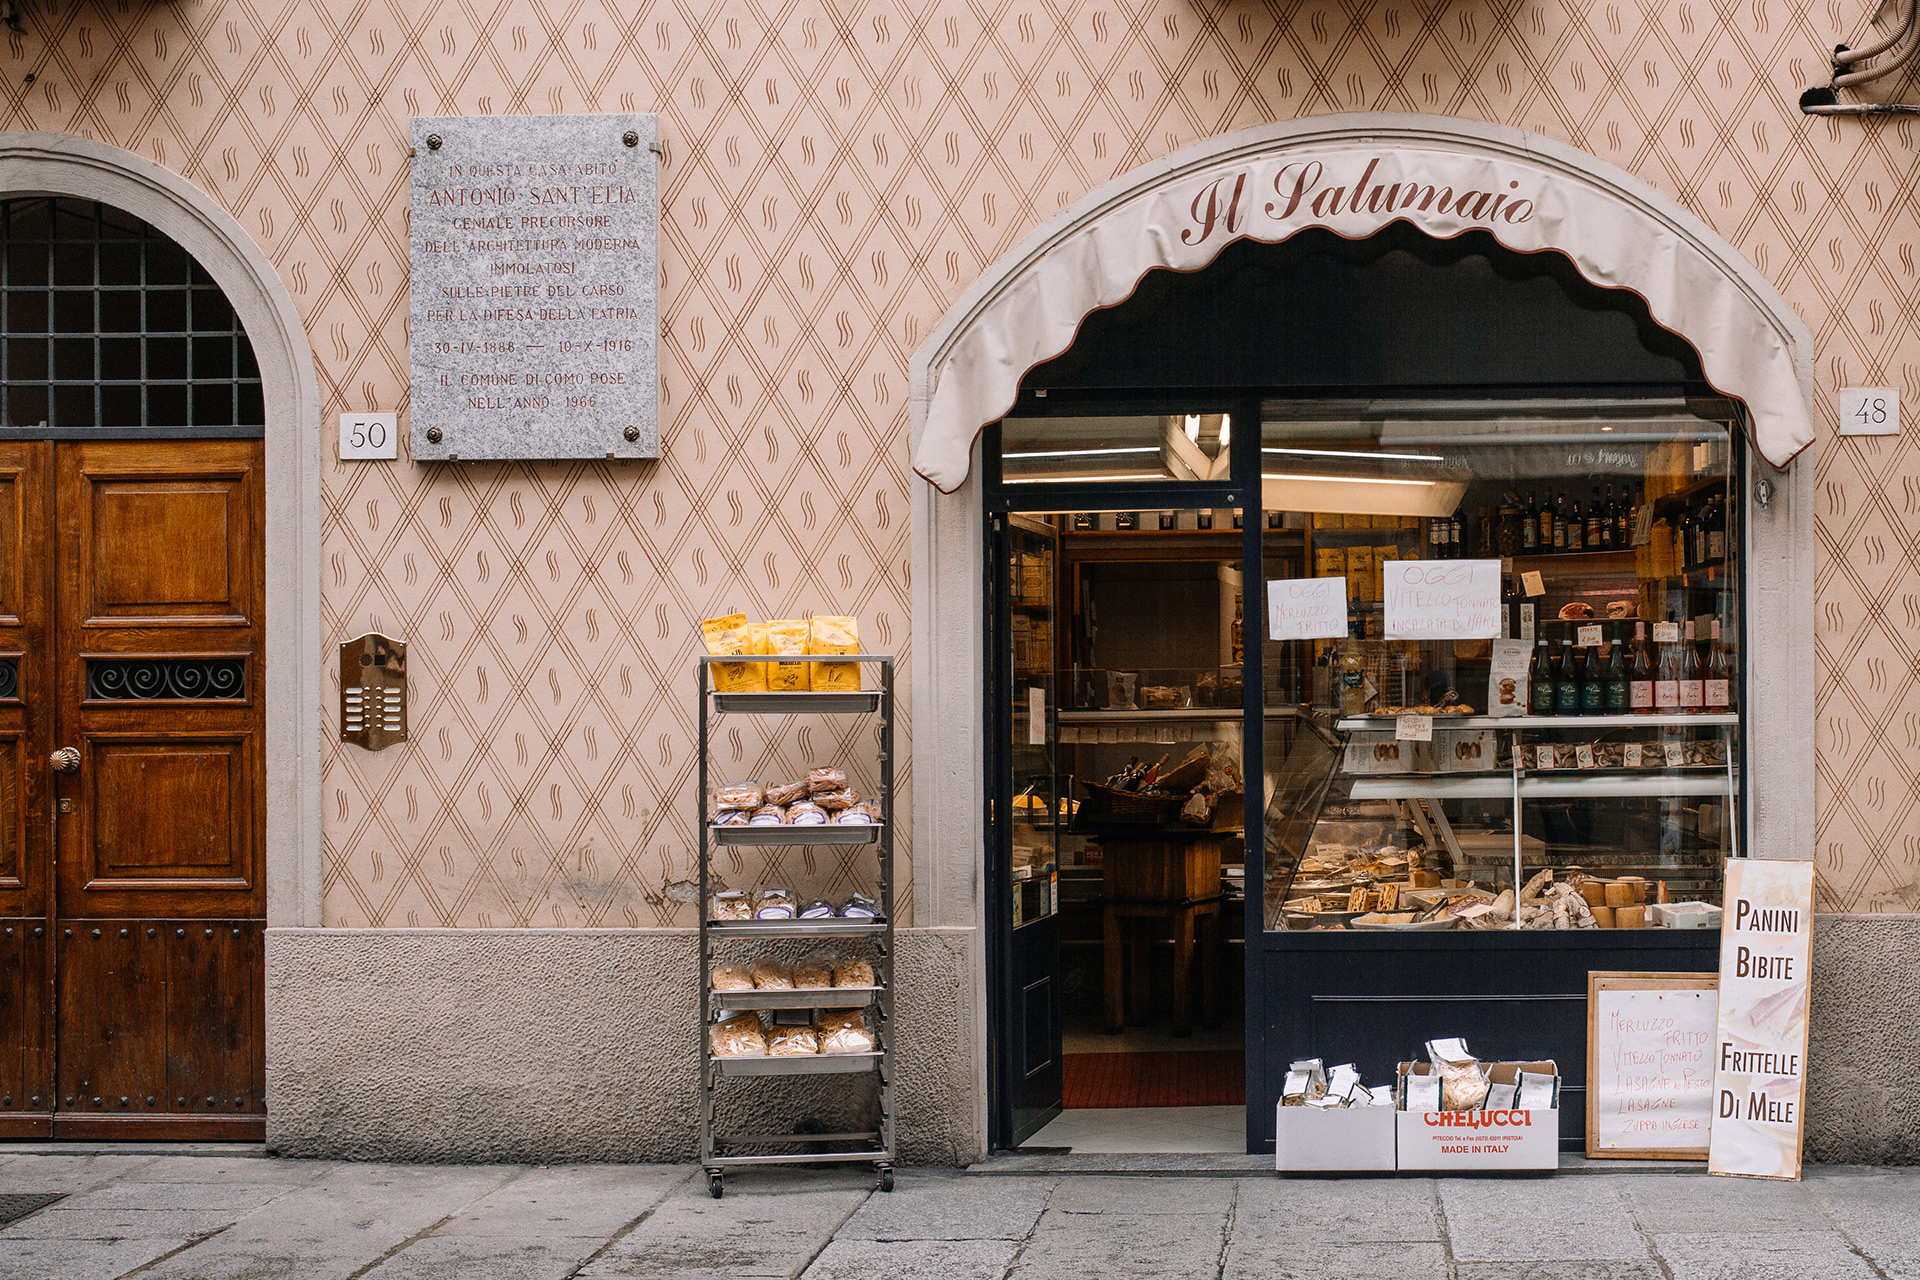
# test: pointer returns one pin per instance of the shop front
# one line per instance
(1370, 522)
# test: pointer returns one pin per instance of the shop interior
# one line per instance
(1577, 771)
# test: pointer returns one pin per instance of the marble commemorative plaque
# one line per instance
(534, 313)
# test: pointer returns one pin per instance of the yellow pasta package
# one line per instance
(733, 634)
(789, 635)
(835, 635)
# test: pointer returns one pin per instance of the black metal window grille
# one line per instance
(165, 679)
(109, 327)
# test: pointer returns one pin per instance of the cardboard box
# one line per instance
(1474, 1140)
(1373, 752)
(1334, 1140)
(1465, 750)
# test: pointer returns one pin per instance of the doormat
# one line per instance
(1173, 1078)
(15, 1207)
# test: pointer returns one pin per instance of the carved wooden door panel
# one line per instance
(159, 701)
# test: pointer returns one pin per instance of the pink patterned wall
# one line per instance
(834, 178)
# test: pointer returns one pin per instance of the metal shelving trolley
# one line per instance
(722, 939)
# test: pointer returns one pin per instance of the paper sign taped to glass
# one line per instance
(1760, 1047)
(1442, 599)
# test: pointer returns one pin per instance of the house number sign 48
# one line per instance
(1869, 411)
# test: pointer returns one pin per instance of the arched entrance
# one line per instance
(154, 384)
(1179, 215)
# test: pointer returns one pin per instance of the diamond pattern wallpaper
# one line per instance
(835, 175)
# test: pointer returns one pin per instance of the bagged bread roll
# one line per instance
(768, 815)
(844, 1031)
(793, 1042)
(814, 970)
(835, 635)
(789, 636)
(825, 779)
(770, 975)
(853, 973)
(854, 815)
(739, 795)
(845, 798)
(732, 977)
(805, 813)
(731, 634)
(786, 792)
(738, 1036)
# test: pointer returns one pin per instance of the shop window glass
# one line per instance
(1583, 680)
(1115, 449)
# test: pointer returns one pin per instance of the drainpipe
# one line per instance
(1825, 101)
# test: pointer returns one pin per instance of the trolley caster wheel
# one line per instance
(716, 1184)
(886, 1177)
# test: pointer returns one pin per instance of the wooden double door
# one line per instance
(132, 821)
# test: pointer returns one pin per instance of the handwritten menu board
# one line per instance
(1760, 1046)
(1442, 599)
(1650, 1065)
(534, 258)
(1306, 608)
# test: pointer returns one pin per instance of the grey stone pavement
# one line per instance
(210, 1215)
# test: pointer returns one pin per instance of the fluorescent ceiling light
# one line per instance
(1083, 453)
(1124, 475)
(1271, 475)
(1343, 453)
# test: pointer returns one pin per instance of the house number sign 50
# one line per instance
(368, 435)
(1869, 411)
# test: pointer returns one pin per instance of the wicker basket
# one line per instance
(1105, 804)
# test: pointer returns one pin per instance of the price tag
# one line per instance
(1666, 633)
(1532, 583)
(369, 436)
(1413, 728)
(1587, 637)
(1869, 411)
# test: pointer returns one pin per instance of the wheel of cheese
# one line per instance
(1630, 918)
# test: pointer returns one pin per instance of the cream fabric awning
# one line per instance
(1353, 175)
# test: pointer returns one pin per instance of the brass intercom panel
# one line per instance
(373, 691)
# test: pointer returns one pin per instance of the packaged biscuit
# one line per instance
(835, 635)
(789, 635)
(733, 634)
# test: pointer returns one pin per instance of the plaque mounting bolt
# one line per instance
(632, 433)
(631, 138)
(434, 435)
(433, 142)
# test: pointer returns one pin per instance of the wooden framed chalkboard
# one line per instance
(1650, 1043)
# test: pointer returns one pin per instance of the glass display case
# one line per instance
(1575, 765)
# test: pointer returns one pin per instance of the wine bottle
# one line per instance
(1593, 683)
(1692, 696)
(1607, 522)
(1576, 530)
(1353, 680)
(1540, 694)
(1454, 550)
(1666, 679)
(1593, 522)
(1560, 523)
(1617, 680)
(1530, 525)
(1718, 685)
(1546, 522)
(1640, 673)
(1566, 689)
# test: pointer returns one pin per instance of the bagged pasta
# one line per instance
(845, 798)
(793, 1042)
(786, 792)
(732, 904)
(805, 813)
(773, 904)
(739, 795)
(789, 636)
(853, 973)
(731, 634)
(732, 977)
(814, 970)
(855, 815)
(825, 779)
(738, 1036)
(844, 1031)
(768, 815)
(770, 975)
(835, 635)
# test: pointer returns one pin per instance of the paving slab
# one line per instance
(488, 1258)
(945, 1208)
(1711, 1204)
(66, 1173)
(1879, 1211)
(913, 1260)
(1790, 1255)
(139, 1193)
(1552, 1269)
(569, 1200)
(1337, 1210)
(772, 1224)
(1278, 1258)
(1113, 1246)
(1518, 1219)
(1127, 1197)
(117, 1224)
(79, 1259)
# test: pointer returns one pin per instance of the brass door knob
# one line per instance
(65, 760)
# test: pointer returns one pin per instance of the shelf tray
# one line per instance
(832, 833)
(812, 1064)
(1499, 786)
(795, 704)
(802, 998)
(1381, 723)
(835, 928)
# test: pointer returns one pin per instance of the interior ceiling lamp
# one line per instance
(1893, 52)
(1359, 495)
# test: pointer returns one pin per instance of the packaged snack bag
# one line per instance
(789, 636)
(835, 635)
(733, 634)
